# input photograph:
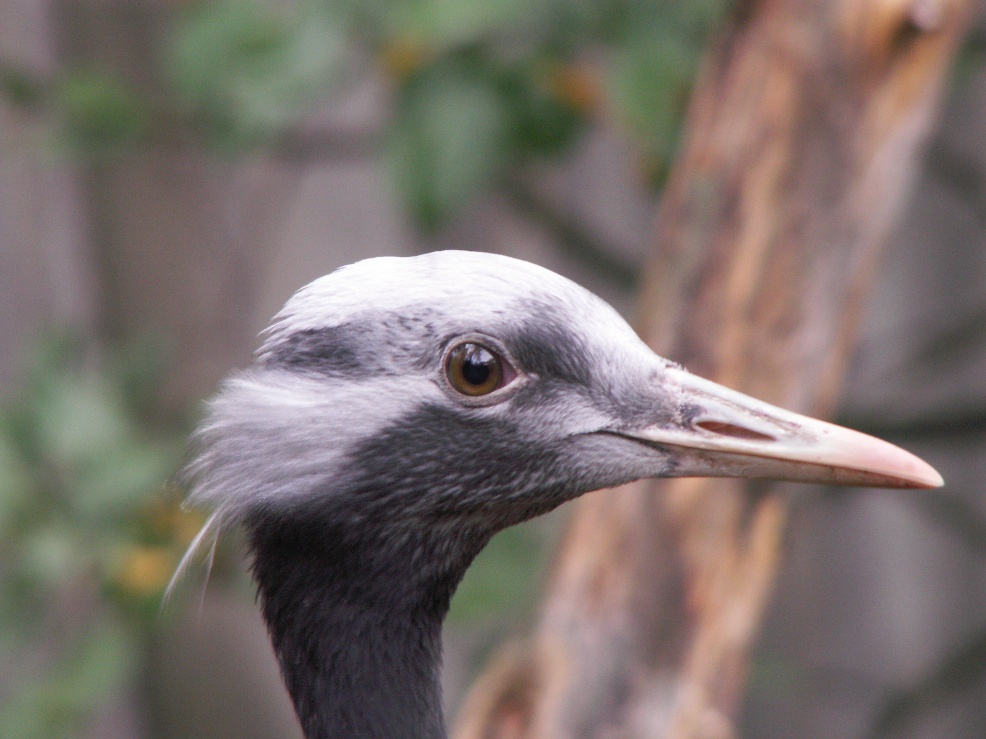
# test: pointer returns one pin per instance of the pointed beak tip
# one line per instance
(901, 468)
(927, 477)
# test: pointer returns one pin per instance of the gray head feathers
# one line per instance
(357, 350)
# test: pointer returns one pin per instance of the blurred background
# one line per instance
(170, 172)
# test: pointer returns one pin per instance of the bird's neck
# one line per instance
(356, 622)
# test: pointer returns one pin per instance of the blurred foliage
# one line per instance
(246, 71)
(478, 89)
(100, 112)
(504, 576)
(971, 58)
(80, 504)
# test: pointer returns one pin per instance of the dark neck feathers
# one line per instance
(356, 617)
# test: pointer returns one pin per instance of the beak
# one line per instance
(718, 432)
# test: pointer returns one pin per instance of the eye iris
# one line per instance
(474, 370)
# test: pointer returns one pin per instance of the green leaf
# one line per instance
(449, 140)
(656, 54)
(249, 70)
(80, 418)
(121, 481)
(100, 113)
(16, 482)
(51, 555)
(649, 83)
(542, 123)
(19, 86)
(451, 22)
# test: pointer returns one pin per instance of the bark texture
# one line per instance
(803, 136)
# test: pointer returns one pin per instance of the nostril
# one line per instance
(737, 432)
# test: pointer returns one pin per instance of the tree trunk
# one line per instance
(802, 139)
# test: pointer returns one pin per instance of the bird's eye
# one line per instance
(473, 369)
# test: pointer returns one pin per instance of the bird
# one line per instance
(400, 411)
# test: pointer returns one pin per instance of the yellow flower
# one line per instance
(145, 570)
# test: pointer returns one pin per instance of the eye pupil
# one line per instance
(473, 369)
(477, 365)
